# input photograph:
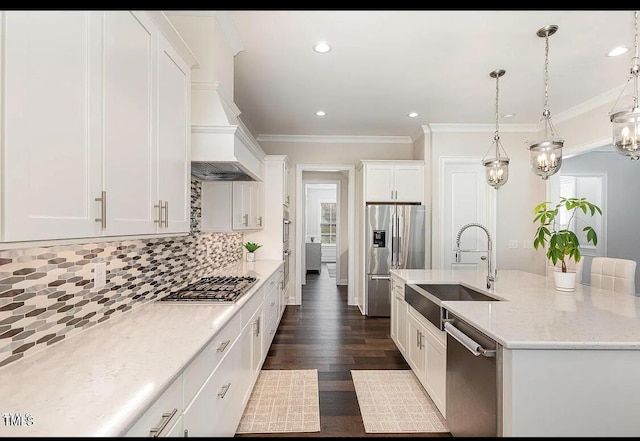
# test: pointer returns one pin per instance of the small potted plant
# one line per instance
(251, 248)
(561, 242)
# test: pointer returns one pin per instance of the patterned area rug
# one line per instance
(394, 401)
(283, 401)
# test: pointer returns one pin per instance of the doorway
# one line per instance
(322, 227)
(345, 233)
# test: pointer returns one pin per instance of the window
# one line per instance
(328, 222)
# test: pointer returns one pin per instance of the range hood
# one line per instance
(222, 148)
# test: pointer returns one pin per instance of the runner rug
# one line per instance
(283, 401)
(394, 401)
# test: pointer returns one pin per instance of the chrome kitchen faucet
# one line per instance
(491, 275)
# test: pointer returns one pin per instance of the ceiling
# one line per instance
(385, 64)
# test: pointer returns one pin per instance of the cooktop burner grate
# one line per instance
(215, 288)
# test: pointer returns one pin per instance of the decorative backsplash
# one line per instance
(47, 293)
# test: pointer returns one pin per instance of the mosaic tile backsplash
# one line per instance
(47, 293)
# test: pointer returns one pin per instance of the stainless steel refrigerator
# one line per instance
(395, 239)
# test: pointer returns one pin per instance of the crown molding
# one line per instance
(227, 25)
(337, 139)
(482, 128)
(609, 97)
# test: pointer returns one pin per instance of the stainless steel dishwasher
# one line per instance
(474, 380)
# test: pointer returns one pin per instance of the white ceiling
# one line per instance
(385, 64)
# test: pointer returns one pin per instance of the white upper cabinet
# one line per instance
(174, 131)
(232, 206)
(129, 156)
(96, 110)
(394, 181)
(52, 124)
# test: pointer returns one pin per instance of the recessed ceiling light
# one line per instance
(412, 114)
(508, 115)
(617, 51)
(321, 113)
(322, 47)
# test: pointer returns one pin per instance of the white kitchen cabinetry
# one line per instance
(426, 353)
(399, 309)
(275, 198)
(393, 181)
(285, 182)
(232, 206)
(83, 125)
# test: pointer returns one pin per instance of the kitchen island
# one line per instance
(102, 381)
(570, 361)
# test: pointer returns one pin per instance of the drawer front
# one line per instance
(197, 372)
(163, 413)
(252, 305)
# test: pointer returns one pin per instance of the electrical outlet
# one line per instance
(528, 243)
(99, 275)
(513, 244)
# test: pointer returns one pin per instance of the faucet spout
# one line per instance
(490, 272)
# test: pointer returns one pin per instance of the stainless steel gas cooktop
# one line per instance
(224, 289)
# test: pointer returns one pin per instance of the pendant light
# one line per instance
(626, 123)
(497, 167)
(546, 155)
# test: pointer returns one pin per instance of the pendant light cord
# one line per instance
(496, 136)
(635, 68)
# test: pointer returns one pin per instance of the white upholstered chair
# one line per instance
(614, 274)
(571, 266)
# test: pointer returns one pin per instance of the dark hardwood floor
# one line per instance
(326, 334)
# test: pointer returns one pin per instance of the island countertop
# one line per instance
(533, 315)
(98, 382)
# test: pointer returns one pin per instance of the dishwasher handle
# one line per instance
(466, 341)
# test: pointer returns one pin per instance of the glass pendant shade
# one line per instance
(546, 155)
(626, 123)
(496, 167)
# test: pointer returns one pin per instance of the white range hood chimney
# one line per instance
(222, 148)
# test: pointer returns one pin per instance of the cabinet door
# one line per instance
(285, 184)
(129, 156)
(379, 183)
(409, 183)
(241, 205)
(217, 409)
(258, 204)
(415, 347)
(173, 139)
(436, 370)
(394, 312)
(401, 325)
(51, 130)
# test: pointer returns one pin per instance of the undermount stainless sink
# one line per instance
(427, 298)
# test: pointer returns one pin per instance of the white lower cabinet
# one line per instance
(177, 430)
(426, 353)
(399, 309)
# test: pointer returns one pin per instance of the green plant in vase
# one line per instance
(562, 244)
(251, 248)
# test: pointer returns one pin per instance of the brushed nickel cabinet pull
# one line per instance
(257, 326)
(245, 221)
(159, 207)
(186, 433)
(223, 345)
(259, 221)
(224, 390)
(103, 208)
(166, 213)
(166, 417)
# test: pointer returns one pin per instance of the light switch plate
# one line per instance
(99, 274)
(513, 244)
(528, 243)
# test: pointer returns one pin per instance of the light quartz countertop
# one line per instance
(533, 315)
(100, 381)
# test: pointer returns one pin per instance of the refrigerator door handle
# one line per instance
(380, 277)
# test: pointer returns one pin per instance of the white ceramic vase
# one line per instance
(251, 257)
(565, 282)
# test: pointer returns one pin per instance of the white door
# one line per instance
(129, 156)
(51, 124)
(466, 198)
(173, 139)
